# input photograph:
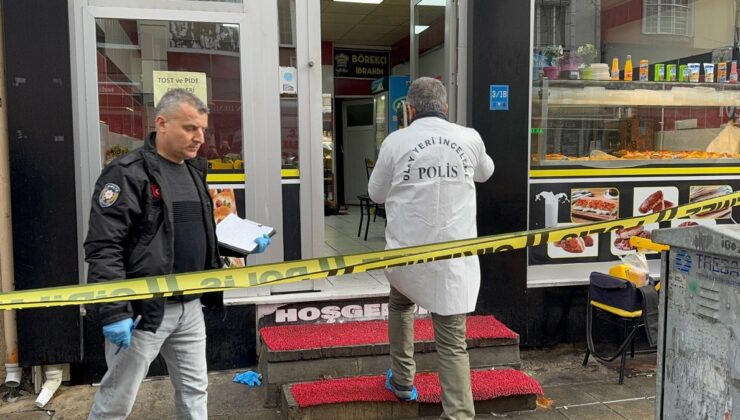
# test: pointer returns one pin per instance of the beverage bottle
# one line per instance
(615, 68)
(628, 68)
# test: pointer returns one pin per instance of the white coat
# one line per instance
(425, 175)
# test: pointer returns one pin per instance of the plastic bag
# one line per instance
(728, 141)
(637, 270)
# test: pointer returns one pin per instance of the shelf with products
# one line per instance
(618, 124)
(635, 94)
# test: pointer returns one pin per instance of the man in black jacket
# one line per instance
(152, 215)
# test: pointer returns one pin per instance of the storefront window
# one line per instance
(139, 60)
(633, 107)
(615, 83)
(288, 88)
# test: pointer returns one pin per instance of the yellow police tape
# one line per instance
(294, 271)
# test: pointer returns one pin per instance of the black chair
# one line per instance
(619, 303)
(367, 206)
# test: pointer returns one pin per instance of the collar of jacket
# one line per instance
(437, 114)
(198, 163)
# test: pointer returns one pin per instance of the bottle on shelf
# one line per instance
(644, 70)
(615, 68)
(628, 68)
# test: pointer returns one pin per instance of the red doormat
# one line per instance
(315, 336)
(486, 384)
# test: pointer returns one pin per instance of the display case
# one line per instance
(642, 122)
(389, 106)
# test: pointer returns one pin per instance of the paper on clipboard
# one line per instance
(239, 234)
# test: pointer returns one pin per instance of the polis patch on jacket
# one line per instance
(108, 195)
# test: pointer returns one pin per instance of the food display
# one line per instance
(646, 155)
(115, 151)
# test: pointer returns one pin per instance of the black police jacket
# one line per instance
(131, 231)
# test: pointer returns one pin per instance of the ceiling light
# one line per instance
(420, 28)
(360, 1)
(432, 3)
(231, 25)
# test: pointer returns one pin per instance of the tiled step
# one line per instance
(299, 353)
(365, 397)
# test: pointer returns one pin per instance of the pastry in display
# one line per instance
(645, 155)
(115, 151)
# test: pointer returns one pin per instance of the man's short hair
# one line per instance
(174, 98)
(427, 95)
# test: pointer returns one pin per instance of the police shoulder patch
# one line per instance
(108, 195)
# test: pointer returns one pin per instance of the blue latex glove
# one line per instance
(262, 244)
(252, 379)
(119, 332)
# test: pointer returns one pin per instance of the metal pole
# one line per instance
(413, 44)
(7, 282)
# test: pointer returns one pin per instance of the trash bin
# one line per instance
(699, 346)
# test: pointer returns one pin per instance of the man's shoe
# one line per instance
(403, 394)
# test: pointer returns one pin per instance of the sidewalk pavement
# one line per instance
(571, 392)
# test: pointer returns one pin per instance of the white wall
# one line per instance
(431, 64)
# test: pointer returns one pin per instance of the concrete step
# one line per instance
(300, 353)
(365, 397)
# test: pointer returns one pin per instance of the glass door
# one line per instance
(126, 57)
(433, 34)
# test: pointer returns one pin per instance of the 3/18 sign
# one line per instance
(499, 98)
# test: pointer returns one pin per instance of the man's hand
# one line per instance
(262, 244)
(119, 332)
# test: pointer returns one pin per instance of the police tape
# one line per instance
(295, 271)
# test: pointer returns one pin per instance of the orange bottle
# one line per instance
(615, 68)
(628, 68)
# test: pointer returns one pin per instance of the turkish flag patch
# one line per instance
(156, 192)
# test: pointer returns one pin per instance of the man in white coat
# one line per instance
(425, 175)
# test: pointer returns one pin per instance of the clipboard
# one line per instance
(238, 235)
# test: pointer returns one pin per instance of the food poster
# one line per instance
(567, 203)
(649, 200)
(620, 239)
(705, 192)
(587, 246)
(594, 204)
(224, 204)
(680, 223)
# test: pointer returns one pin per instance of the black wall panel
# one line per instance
(291, 222)
(42, 168)
(500, 52)
(231, 343)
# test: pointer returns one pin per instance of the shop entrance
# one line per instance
(370, 53)
(358, 146)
